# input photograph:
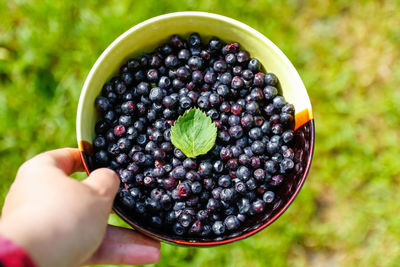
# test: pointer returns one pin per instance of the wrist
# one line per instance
(10, 231)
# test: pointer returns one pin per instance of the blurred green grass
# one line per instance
(347, 53)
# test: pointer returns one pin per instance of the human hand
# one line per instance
(60, 221)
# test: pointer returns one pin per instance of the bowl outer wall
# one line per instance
(147, 35)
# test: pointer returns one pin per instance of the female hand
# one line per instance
(60, 221)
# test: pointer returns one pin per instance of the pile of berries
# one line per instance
(215, 193)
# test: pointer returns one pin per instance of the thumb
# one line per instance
(104, 181)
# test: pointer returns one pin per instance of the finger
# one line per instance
(125, 246)
(66, 159)
(104, 181)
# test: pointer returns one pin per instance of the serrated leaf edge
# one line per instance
(214, 137)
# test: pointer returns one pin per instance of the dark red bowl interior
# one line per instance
(284, 196)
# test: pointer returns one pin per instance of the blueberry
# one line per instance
(210, 77)
(247, 74)
(194, 40)
(258, 147)
(148, 181)
(227, 194)
(271, 79)
(237, 70)
(251, 184)
(99, 142)
(218, 228)
(255, 133)
(276, 180)
(252, 107)
(243, 173)
(214, 99)
(196, 228)
(143, 88)
(237, 82)
(140, 208)
(272, 147)
(183, 73)
(259, 175)
(125, 120)
(102, 104)
(203, 102)
(248, 151)
(224, 181)
(183, 189)
(132, 167)
(208, 183)
(171, 61)
(133, 64)
(101, 158)
(254, 65)
(218, 166)
(169, 183)
(244, 159)
(259, 79)
(226, 78)
(247, 120)
(268, 197)
(101, 127)
(213, 114)
(124, 144)
(197, 77)
(231, 222)
(288, 153)
(226, 153)
(202, 215)
(141, 140)
(233, 120)
(230, 58)
(195, 63)
(243, 205)
(220, 66)
(255, 162)
(183, 55)
(120, 88)
(176, 41)
(192, 176)
(277, 129)
(156, 94)
(223, 91)
(242, 56)
(278, 102)
(206, 230)
(155, 61)
(288, 136)
(178, 173)
(159, 154)
(164, 82)
(258, 206)
(178, 229)
(215, 44)
(196, 187)
(127, 200)
(230, 48)
(205, 168)
(212, 204)
(286, 165)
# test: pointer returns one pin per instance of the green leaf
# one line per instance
(193, 133)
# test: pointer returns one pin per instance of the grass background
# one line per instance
(347, 53)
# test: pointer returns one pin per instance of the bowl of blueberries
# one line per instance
(207, 124)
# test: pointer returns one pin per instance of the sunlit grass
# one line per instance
(347, 54)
